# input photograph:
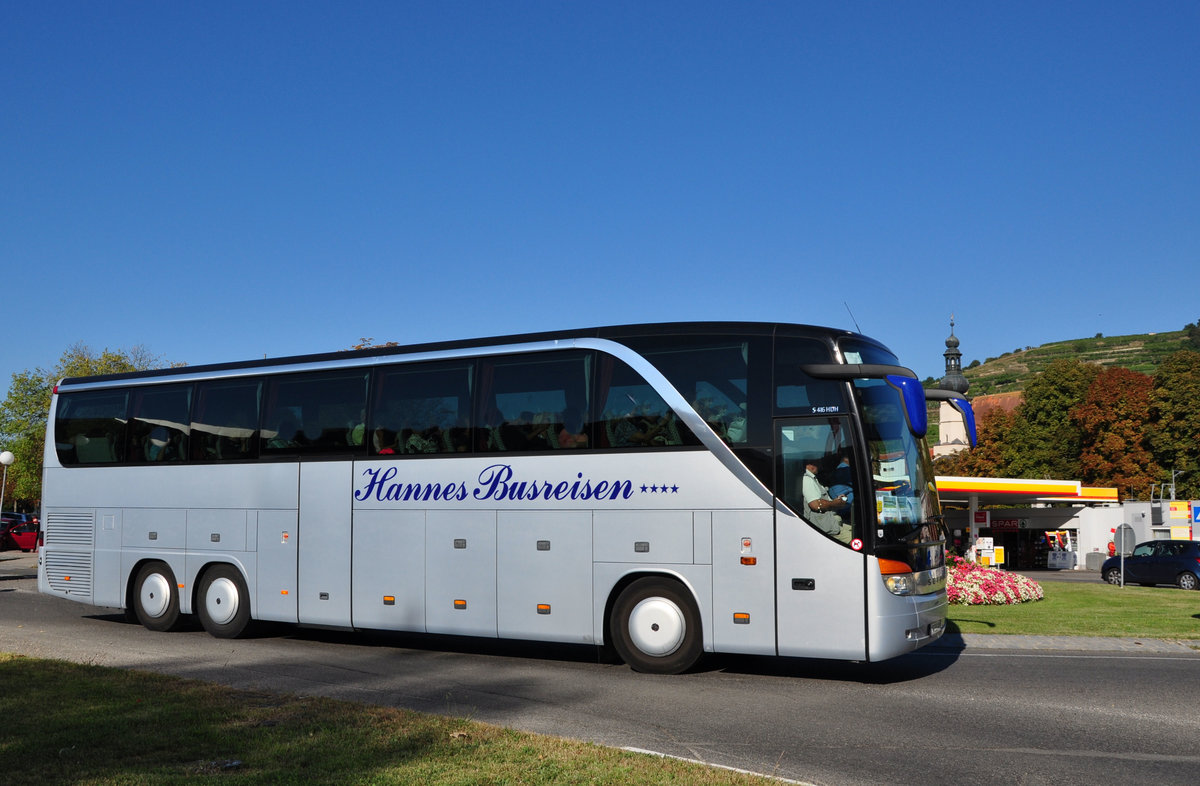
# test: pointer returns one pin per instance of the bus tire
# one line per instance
(655, 627)
(223, 603)
(156, 597)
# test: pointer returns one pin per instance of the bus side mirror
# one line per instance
(961, 405)
(964, 408)
(914, 402)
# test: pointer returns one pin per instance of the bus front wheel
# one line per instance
(224, 603)
(655, 627)
(156, 597)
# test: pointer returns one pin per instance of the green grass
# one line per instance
(1078, 609)
(68, 723)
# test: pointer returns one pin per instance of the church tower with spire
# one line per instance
(952, 428)
(954, 379)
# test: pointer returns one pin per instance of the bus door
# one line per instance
(324, 565)
(820, 566)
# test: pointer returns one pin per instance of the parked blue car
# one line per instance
(1158, 562)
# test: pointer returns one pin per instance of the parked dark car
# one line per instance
(1158, 562)
(18, 531)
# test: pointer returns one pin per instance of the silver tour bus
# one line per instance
(664, 490)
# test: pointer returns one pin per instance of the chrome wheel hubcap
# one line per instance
(657, 627)
(155, 595)
(221, 601)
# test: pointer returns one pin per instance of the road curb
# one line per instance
(970, 642)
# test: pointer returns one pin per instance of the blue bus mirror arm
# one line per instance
(963, 406)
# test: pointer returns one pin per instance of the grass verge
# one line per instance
(1078, 609)
(68, 723)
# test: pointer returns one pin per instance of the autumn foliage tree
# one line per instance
(991, 455)
(1112, 421)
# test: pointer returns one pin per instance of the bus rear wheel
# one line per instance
(655, 627)
(156, 597)
(223, 602)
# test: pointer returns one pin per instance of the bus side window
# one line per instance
(714, 374)
(225, 420)
(315, 413)
(537, 402)
(422, 408)
(632, 414)
(90, 427)
(158, 426)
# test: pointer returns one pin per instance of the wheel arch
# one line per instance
(635, 574)
(131, 576)
(193, 594)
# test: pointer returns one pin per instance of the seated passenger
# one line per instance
(523, 433)
(572, 434)
(423, 441)
(357, 429)
(384, 442)
(157, 443)
(286, 434)
(843, 481)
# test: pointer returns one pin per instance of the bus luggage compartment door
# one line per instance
(460, 576)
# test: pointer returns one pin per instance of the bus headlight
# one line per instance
(900, 584)
(897, 576)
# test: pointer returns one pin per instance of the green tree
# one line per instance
(1191, 335)
(1045, 442)
(24, 410)
(1113, 422)
(1175, 421)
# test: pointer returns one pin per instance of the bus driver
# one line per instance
(823, 510)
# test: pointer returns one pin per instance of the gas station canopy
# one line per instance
(978, 492)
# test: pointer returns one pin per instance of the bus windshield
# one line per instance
(901, 471)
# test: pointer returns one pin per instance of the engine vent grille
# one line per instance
(69, 527)
(68, 572)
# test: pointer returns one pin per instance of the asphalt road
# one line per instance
(954, 715)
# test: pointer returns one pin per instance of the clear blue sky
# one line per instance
(222, 181)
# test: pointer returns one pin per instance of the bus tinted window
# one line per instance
(796, 393)
(712, 373)
(633, 414)
(315, 413)
(225, 420)
(422, 408)
(862, 350)
(90, 427)
(536, 402)
(158, 426)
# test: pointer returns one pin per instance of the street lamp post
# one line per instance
(1174, 474)
(6, 458)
